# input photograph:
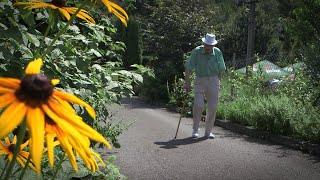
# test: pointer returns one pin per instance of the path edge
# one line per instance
(292, 143)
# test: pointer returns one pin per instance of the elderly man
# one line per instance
(208, 63)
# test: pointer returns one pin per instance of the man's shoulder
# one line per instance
(216, 49)
(198, 48)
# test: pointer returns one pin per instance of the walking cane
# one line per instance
(182, 110)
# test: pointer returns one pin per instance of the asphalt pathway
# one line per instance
(149, 152)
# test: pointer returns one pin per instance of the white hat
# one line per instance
(210, 39)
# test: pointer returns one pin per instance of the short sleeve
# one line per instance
(191, 61)
(222, 66)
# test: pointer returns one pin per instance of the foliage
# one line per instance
(133, 42)
(178, 96)
(302, 30)
(66, 171)
(85, 58)
(167, 37)
(80, 58)
(286, 110)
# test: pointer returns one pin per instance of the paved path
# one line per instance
(149, 151)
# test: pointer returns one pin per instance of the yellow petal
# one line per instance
(41, 5)
(67, 148)
(11, 117)
(82, 14)
(10, 83)
(121, 17)
(6, 90)
(50, 148)
(21, 161)
(65, 126)
(86, 17)
(77, 123)
(34, 66)
(117, 10)
(65, 104)
(74, 99)
(35, 4)
(64, 13)
(36, 123)
(6, 99)
(7, 140)
(14, 141)
(24, 156)
(99, 158)
(2, 152)
(83, 152)
(55, 81)
(24, 145)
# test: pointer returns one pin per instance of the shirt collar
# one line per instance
(202, 50)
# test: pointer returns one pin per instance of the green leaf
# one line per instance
(33, 39)
(74, 28)
(137, 77)
(111, 158)
(125, 73)
(96, 53)
(116, 145)
(97, 67)
(3, 26)
(1, 55)
(27, 17)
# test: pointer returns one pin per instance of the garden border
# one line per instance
(292, 143)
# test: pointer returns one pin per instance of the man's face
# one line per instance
(208, 48)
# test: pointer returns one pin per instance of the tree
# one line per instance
(133, 42)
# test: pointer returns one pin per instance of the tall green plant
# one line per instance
(133, 41)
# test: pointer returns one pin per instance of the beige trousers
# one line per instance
(209, 88)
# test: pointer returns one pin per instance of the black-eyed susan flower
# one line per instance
(59, 5)
(33, 98)
(89, 158)
(116, 10)
(71, 141)
(7, 148)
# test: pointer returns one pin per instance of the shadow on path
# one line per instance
(175, 143)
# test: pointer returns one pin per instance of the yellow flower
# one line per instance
(7, 148)
(89, 158)
(116, 10)
(69, 141)
(33, 98)
(59, 5)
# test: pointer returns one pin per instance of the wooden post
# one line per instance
(251, 34)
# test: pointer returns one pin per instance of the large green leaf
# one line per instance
(33, 39)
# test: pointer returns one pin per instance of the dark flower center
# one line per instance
(59, 3)
(11, 147)
(34, 89)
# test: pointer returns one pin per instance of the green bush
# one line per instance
(284, 111)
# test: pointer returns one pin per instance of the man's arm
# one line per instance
(220, 75)
(187, 84)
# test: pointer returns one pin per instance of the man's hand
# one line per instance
(187, 85)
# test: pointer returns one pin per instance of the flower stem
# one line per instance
(21, 134)
(51, 21)
(63, 29)
(4, 169)
(25, 168)
(58, 167)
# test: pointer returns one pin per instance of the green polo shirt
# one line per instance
(205, 64)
